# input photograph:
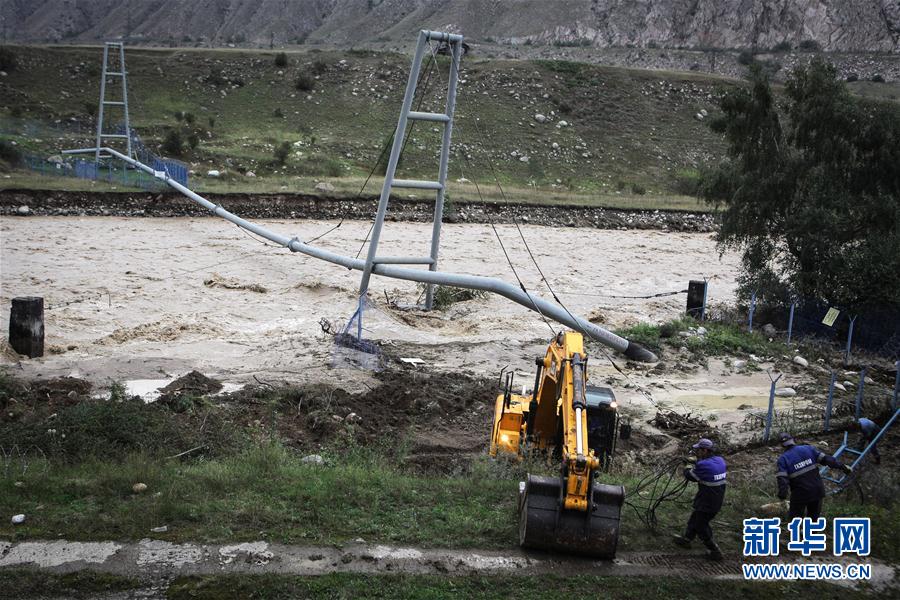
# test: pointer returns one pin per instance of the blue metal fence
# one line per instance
(113, 170)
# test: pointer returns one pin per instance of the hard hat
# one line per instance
(787, 440)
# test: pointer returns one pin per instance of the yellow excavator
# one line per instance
(576, 424)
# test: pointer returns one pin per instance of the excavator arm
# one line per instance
(570, 512)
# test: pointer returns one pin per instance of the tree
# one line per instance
(810, 192)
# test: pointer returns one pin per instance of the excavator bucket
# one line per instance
(545, 525)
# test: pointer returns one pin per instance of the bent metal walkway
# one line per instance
(157, 559)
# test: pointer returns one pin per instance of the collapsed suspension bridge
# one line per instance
(374, 264)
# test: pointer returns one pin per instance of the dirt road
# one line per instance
(164, 560)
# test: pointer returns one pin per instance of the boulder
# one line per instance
(213, 173)
(540, 118)
(313, 459)
(785, 392)
(324, 186)
(23, 211)
(799, 360)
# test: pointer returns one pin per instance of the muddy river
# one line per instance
(147, 299)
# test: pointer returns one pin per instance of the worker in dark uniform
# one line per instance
(709, 472)
(798, 471)
(869, 430)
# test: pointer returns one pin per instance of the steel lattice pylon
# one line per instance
(118, 48)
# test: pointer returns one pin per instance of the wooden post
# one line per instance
(26, 326)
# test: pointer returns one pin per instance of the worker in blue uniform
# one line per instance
(798, 473)
(869, 430)
(709, 473)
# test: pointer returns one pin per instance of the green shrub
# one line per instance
(810, 46)
(305, 82)
(8, 59)
(877, 78)
(319, 66)
(687, 182)
(281, 59)
(281, 152)
(173, 144)
(638, 189)
(10, 155)
(784, 46)
(746, 57)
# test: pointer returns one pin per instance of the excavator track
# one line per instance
(545, 525)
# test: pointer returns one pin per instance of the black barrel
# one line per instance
(543, 526)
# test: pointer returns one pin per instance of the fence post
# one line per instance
(849, 341)
(859, 393)
(771, 408)
(791, 322)
(896, 385)
(830, 399)
(752, 310)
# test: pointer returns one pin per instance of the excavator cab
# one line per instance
(576, 424)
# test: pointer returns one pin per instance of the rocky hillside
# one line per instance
(845, 26)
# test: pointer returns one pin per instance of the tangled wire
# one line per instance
(660, 486)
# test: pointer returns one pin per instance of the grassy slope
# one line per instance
(267, 493)
(637, 127)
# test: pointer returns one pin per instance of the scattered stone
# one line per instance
(23, 211)
(786, 392)
(739, 364)
(139, 488)
(555, 146)
(769, 330)
(849, 384)
(540, 118)
(523, 159)
(701, 330)
(313, 459)
(18, 519)
(213, 173)
(249, 174)
(869, 380)
(799, 360)
(699, 116)
(162, 529)
(324, 186)
(562, 124)
(840, 386)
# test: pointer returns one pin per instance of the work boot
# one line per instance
(714, 552)
(682, 541)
